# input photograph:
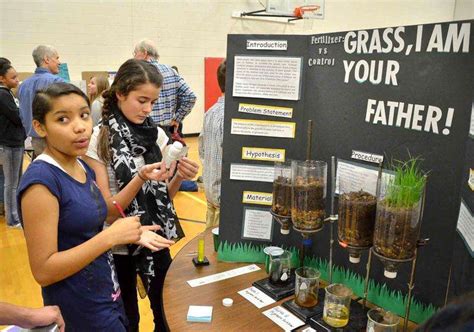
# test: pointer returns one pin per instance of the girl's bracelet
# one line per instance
(140, 176)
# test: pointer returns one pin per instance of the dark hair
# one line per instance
(175, 68)
(43, 101)
(458, 315)
(221, 75)
(131, 74)
(5, 66)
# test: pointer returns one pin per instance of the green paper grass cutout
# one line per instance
(378, 294)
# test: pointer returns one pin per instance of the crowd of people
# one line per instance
(96, 202)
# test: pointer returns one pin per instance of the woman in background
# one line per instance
(97, 85)
(12, 137)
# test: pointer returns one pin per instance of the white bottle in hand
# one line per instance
(172, 153)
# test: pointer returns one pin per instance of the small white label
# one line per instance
(272, 45)
(309, 329)
(256, 297)
(283, 318)
(365, 156)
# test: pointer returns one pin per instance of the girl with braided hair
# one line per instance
(125, 154)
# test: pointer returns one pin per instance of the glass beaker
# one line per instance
(380, 320)
(268, 251)
(308, 194)
(280, 266)
(337, 305)
(307, 286)
(281, 204)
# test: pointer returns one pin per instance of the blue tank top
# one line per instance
(90, 299)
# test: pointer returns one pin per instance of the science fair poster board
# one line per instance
(387, 92)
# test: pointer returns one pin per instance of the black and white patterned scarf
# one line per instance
(128, 140)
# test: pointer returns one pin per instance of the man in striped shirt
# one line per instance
(210, 152)
(176, 98)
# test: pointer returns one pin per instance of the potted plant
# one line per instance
(399, 204)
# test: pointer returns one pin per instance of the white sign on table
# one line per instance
(256, 297)
(223, 275)
(283, 318)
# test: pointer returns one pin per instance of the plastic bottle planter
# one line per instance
(308, 195)
(397, 223)
(281, 204)
(356, 222)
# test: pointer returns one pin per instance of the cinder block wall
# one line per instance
(100, 35)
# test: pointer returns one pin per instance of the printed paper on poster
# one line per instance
(257, 224)
(465, 226)
(268, 77)
(249, 127)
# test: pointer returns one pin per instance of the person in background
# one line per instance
(29, 318)
(47, 63)
(125, 144)
(12, 137)
(210, 152)
(175, 69)
(63, 213)
(176, 97)
(97, 85)
(457, 316)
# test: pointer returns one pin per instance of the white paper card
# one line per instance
(256, 297)
(223, 275)
(248, 127)
(352, 177)
(309, 329)
(283, 318)
(257, 224)
(465, 227)
(252, 173)
(268, 77)
(471, 129)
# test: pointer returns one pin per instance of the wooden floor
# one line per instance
(16, 281)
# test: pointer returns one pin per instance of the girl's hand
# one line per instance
(156, 171)
(124, 231)
(187, 168)
(149, 239)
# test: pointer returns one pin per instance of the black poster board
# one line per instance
(429, 69)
